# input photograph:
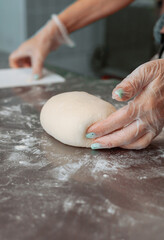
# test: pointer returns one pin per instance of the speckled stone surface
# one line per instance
(52, 191)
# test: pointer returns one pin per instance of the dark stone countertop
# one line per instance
(52, 191)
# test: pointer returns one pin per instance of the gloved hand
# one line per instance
(33, 52)
(135, 125)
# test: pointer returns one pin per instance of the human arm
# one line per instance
(85, 12)
(34, 51)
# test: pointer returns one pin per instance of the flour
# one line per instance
(18, 218)
(9, 111)
(111, 210)
(68, 205)
(103, 165)
(89, 166)
(27, 162)
(131, 164)
(43, 215)
(114, 191)
(143, 177)
(20, 148)
(105, 175)
(27, 142)
(83, 206)
(64, 173)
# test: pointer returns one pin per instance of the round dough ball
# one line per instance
(67, 116)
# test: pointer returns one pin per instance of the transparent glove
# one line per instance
(135, 125)
(34, 51)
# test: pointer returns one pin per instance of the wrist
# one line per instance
(51, 28)
(47, 31)
(63, 35)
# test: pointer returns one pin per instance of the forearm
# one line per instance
(84, 12)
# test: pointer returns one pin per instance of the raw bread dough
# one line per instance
(67, 116)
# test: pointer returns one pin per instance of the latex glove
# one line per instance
(135, 125)
(34, 51)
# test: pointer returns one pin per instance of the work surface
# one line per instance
(52, 191)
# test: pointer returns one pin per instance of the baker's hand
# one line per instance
(33, 52)
(135, 125)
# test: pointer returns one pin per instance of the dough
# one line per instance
(67, 116)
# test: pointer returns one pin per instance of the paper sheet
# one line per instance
(23, 77)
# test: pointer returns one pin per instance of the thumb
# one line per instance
(136, 81)
(37, 66)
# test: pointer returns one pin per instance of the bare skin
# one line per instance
(135, 125)
(34, 51)
(84, 12)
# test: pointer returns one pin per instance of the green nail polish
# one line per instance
(36, 76)
(91, 135)
(96, 146)
(120, 92)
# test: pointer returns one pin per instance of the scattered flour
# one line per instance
(132, 165)
(43, 215)
(104, 165)
(83, 206)
(111, 210)
(68, 205)
(26, 149)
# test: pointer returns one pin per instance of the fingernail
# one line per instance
(119, 92)
(36, 76)
(96, 146)
(91, 135)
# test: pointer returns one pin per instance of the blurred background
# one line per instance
(112, 46)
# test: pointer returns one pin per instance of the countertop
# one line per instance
(52, 191)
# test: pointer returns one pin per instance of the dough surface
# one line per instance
(67, 116)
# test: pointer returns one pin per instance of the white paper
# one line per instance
(23, 77)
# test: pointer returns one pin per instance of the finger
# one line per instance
(20, 63)
(141, 143)
(26, 62)
(136, 81)
(115, 121)
(16, 59)
(13, 61)
(37, 65)
(26, 65)
(123, 136)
